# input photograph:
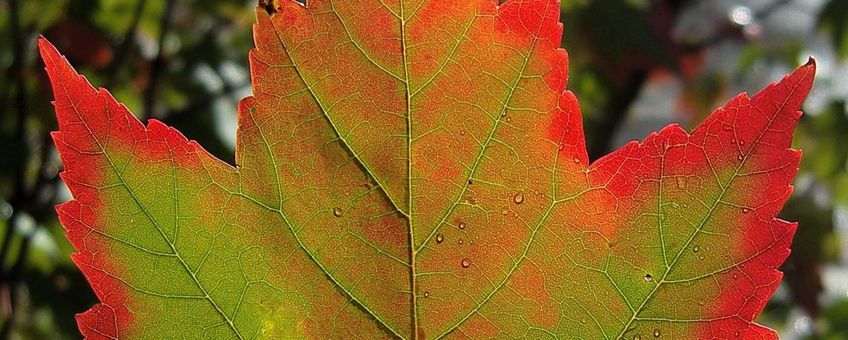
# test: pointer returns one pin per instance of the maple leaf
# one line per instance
(415, 169)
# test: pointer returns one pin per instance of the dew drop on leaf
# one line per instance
(465, 263)
(637, 337)
(440, 238)
(337, 212)
(576, 160)
(745, 210)
(461, 241)
(648, 278)
(739, 157)
(461, 226)
(656, 333)
(696, 249)
(518, 198)
(426, 294)
(462, 133)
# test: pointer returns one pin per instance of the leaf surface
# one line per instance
(415, 169)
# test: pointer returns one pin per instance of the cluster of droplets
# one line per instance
(518, 198)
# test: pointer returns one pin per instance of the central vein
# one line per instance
(412, 260)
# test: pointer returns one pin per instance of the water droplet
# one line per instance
(648, 278)
(461, 241)
(696, 249)
(736, 334)
(337, 212)
(461, 226)
(576, 160)
(745, 210)
(508, 119)
(656, 333)
(701, 257)
(465, 263)
(740, 157)
(637, 337)
(440, 238)
(462, 133)
(426, 294)
(518, 198)
(735, 276)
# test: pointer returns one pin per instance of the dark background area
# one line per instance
(636, 65)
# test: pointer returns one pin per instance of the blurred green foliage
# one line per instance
(636, 65)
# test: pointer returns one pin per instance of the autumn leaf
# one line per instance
(415, 169)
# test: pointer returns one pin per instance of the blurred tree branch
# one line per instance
(159, 63)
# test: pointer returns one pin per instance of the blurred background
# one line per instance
(636, 66)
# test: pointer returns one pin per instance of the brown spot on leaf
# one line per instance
(269, 6)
